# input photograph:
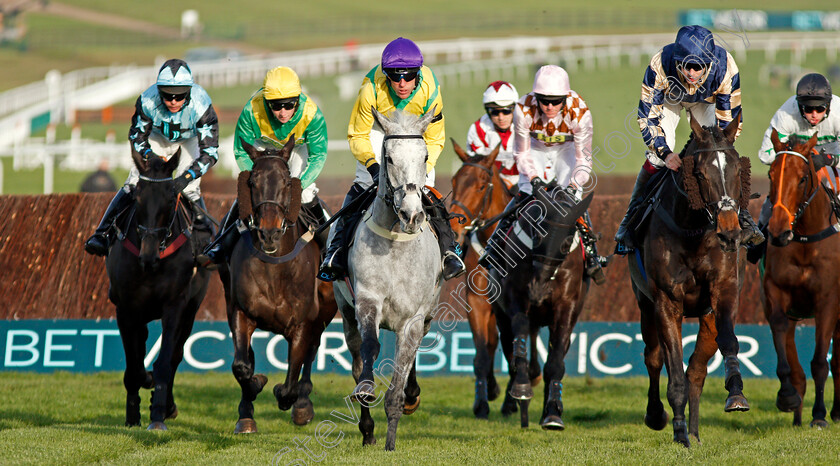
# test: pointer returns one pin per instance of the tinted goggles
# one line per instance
(173, 97)
(284, 104)
(496, 111)
(814, 108)
(693, 66)
(396, 74)
(551, 100)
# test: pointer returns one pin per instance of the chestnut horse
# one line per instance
(268, 286)
(801, 276)
(689, 265)
(479, 195)
(152, 276)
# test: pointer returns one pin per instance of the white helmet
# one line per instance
(551, 80)
(501, 93)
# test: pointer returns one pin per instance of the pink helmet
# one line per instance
(551, 80)
(501, 93)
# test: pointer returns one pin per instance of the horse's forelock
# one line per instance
(406, 122)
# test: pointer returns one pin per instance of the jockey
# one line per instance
(553, 130)
(692, 74)
(276, 112)
(803, 115)
(495, 127)
(399, 82)
(173, 113)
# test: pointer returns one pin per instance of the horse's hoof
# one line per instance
(552, 422)
(245, 426)
(368, 441)
(521, 391)
(681, 434)
(363, 393)
(409, 408)
(696, 438)
(835, 415)
(536, 381)
(283, 402)
(736, 403)
(481, 409)
(173, 413)
(303, 415)
(132, 423)
(493, 390)
(656, 424)
(819, 424)
(509, 407)
(788, 403)
(157, 425)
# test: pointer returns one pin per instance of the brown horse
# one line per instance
(269, 287)
(801, 276)
(479, 195)
(689, 266)
(152, 276)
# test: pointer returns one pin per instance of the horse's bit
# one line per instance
(477, 219)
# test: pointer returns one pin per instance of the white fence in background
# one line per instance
(456, 62)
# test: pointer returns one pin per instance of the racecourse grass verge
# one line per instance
(65, 418)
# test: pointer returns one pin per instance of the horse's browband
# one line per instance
(714, 149)
(403, 136)
(154, 180)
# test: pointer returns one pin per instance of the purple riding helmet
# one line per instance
(402, 53)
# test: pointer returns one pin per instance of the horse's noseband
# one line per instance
(477, 218)
(164, 232)
(389, 192)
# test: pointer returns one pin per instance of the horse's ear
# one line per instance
(172, 163)
(579, 208)
(139, 161)
(249, 149)
(491, 158)
(383, 121)
(459, 151)
(426, 119)
(286, 153)
(696, 128)
(731, 129)
(809, 146)
(777, 144)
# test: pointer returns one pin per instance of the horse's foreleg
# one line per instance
(480, 319)
(669, 324)
(408, 340)
(835, 374)
(412, 392)
(299, 349)
(555, 369)
(135, 375)
(302, 411)
(787, 399)
(725, 305)
(183, 333)
(655, 416)
(521, 388)
(825, 324)
(697, 371)
(797, 373)
(534, 368)
(163, 368)
(506, 338)
(242, 328)
(367, 313)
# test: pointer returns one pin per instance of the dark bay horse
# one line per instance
(545, 288)
(269, 287)
(152, 276)
(479, 194)
(689, 266)
(801, 276)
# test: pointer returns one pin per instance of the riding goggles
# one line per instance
(693, 66)
(397, 74)
(166, 96)
(496, 111)
(283, 104)
(557, 101)
(814, 108)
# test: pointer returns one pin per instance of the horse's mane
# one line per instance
(243, 195)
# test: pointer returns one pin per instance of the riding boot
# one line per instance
(490, 257)
(593, 262)
(756, 252)
(219, 251)
(99, 243)
(202, 231)
(453, 265)
(333, 266)
(636, 199)
(319, 214)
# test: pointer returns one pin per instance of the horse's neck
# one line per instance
(497, 203)
(383, 214)
(676, 203)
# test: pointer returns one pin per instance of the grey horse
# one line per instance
(394, 277)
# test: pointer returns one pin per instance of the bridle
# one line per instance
(726, 202)
(477, 218)
(794, 218)
(389, 193)
(164, 232)
(284, 209)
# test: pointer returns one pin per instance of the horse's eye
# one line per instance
(803, 180)
(700, 176)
